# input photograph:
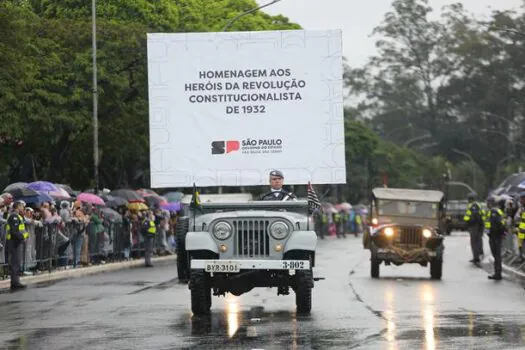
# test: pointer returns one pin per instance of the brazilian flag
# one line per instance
(195, 200)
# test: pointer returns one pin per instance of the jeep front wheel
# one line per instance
(183, 269)
(200, 293)
(303, 292)
(436, 269)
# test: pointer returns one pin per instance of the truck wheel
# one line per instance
(374, 262)
(303, 292)
(183, 270)
(200, 293)
(374, 267)
(436, 268)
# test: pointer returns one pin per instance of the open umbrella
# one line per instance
(15, 185)
(22, 192)
(60, 193)
(137, 206)
(173, 206)
(116, 202)
(173, 196)
(43, 186)
(90, 198)
(144, 192)
(129, 195)
(111, 214)
(68, 189)
(39, 198)
(155, 201)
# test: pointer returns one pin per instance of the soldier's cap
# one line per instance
(277, 173)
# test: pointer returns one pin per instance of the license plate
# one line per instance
(221, 267)
(293, 264)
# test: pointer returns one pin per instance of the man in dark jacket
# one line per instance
(496, 231)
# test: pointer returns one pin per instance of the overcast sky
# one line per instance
(357, 19)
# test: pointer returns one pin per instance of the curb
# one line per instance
(510, 271)
(85, 271)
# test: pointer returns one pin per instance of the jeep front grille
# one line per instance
(410, 235)
(251, 238)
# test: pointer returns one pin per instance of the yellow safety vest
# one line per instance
(152, 227)
(21, 228)
(324, 218)
(358, 219)
(521, 226)
(469, 211)
(486, 218)
(337, 217)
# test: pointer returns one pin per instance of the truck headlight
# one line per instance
(222, 230)
(279, 230)
(427, 233)
(389, 231)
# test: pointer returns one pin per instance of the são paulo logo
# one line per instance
(222, 147)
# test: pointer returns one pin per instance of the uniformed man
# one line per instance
(474, 218)
(16, 234)
(519, 219)
(149, 231)
(277, 192)
(496, 231)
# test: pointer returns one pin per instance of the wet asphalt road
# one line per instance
(148, 309)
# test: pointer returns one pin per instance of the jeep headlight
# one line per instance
(222, 230)
(279, 230)
(389, 231)
(427, 233)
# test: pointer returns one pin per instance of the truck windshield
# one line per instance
(406, 208)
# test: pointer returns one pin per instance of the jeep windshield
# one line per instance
(300, 206)
(426, 210)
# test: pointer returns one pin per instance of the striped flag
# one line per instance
(313, 201)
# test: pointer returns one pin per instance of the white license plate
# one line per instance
(221, 267)
(293, 264)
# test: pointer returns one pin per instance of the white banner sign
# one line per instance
(227, 108)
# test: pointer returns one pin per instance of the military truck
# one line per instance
(406, 227)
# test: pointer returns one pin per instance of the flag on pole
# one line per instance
(195, 199)
(313, 201)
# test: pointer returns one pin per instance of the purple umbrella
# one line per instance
(173, 206)
(42, 186)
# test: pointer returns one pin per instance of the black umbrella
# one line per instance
(129, 195)
(23, 192)
(116, 202)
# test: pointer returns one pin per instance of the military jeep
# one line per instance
(235, 246)
(406, 226)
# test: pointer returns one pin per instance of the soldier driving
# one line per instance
(16, 234)
(277, 192)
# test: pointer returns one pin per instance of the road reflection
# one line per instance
(232, 315)
(390, 319)
(427, 300)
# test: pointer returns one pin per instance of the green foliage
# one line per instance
(456, 78)
(47, 90)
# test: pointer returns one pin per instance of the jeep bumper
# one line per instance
(233, 266)
(400, 256)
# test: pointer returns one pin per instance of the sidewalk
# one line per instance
(85, 271)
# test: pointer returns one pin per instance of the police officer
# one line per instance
(149, 231)
(474, 218)
(520, 223)
(277, 193)
(496, 230)
(16, 234)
